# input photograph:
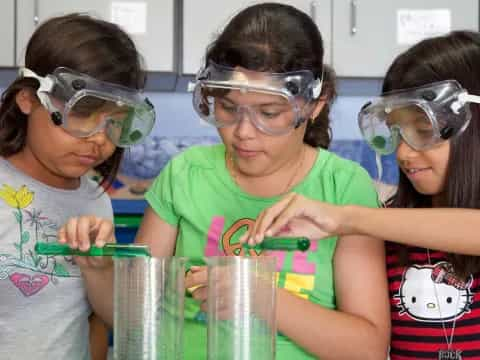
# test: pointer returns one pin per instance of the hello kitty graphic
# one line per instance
(433, 293)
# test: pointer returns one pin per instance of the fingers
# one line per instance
(80, 232)
(266, 219)
(291, 211)
(104, 233)
(196, 277)
(200, 294)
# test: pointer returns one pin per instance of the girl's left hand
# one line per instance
(196, 284)
(82, 232)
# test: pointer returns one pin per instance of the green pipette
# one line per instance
(268, 243)
(281, 244)
(116, 250)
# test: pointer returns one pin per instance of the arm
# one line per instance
(428, 228)
(159, 235)
(360, 328)
(98, 272)
(98, 338)
(99, 278)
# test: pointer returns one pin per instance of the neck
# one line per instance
(278, 182)
(33, 167)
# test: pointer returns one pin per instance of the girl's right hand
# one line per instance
(296, 215)
(82, 232)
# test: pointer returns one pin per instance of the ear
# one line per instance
(25, 101)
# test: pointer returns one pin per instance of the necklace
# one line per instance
(449, 353)
(234, 174)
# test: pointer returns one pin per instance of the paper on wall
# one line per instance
(414, 25)
(131, 16)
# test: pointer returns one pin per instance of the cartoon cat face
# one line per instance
(418, 294)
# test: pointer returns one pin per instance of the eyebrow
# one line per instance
(262, 104)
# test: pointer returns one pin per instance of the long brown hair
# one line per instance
(453, 56)
(278, 38)
(82, 43)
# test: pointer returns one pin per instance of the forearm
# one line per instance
(329, 334)
(99, 284)
(451, 230)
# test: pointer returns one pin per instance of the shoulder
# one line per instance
(335, 166)
(8, 172)
(97, 197)
(342, 181)
(204, 157)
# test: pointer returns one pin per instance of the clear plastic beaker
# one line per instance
(241, 308)
(148, 308)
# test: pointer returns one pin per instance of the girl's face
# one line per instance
(51, 155)
(255, 153)
(427, 169)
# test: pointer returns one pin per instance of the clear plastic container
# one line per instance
(241, 308)
(148, 308)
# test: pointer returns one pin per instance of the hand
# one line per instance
(223, 283)
(296, 215)
(196, 284)
(80, 232)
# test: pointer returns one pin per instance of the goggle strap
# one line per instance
(378, 163)
(46, 83)
(462, 99)
(317, 87)
(191, 86)
(466, 97)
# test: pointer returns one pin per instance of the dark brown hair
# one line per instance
(82, 43)
(454, 56)
(278, 38)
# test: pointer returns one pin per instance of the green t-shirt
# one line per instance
(196, 193)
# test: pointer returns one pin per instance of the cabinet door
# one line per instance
(150, 23)
(7, 27)
(368, 34)
(204, 20)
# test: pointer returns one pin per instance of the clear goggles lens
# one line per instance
(84, 106)
(276, 116)
(288, 98)
(422, 117)
(411, 123)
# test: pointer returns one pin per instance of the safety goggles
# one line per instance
(84, 106)
(423, 117)
(293, 94)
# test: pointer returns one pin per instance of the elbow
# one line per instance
(375, 345)
(377, 354)
(379, 346)
(370, 349)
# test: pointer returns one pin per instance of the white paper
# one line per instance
(416, 25)
(131, 16)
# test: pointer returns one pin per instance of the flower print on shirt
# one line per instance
(33, 226)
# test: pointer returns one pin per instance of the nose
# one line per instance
(405, 151)
(245, 128)
(431, 306)
(100, 137)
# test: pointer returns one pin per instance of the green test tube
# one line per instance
(281, 244)
(116, 250)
